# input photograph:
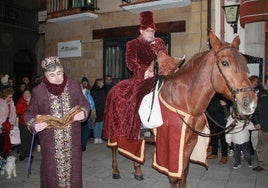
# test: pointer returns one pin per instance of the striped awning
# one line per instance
(253, 11)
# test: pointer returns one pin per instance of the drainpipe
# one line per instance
(222, 25)
(208, 17)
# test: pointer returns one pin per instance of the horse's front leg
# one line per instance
(173, 182)
(137, 171)
(178, 183)
(182, 182)
(116, 173)
(188, 151)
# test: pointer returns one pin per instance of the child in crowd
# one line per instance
(239, 136)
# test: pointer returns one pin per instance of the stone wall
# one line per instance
(90, 64)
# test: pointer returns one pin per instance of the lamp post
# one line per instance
(231, 14)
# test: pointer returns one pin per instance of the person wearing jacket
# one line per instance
(86, 125)
(25, 134)
(7, 120)
(217, 112)
(239, 136)
(98, 93)
(260, 120)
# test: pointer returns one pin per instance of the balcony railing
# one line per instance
(62, 11)
(18, 16)
(54, 6)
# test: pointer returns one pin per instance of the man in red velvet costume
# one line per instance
(56, 95)
(122, 123)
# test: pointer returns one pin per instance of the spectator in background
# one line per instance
(265, 85)
(1, 76)
(86, 125)
(85, 83)
(27, 82)
(19, 91)
(260, 120)
(109, 83)
(218, 111)
(37, 80)
(11, 83)
(4, 81)
(25, 134)
(256, 85)
(7, 120)
(98, 93)
(239, 136)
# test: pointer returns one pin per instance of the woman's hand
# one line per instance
(79, 116)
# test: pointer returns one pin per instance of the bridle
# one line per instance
(234, 92)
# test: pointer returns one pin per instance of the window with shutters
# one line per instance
(114, 56)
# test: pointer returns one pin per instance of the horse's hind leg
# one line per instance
(116, 173)
(137, 171)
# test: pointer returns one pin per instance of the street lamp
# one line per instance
(232, 13)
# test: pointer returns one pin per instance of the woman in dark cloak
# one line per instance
(55, 96)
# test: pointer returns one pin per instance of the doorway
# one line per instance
(24, 65)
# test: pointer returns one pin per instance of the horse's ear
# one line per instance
(214, 41)
(236, 41)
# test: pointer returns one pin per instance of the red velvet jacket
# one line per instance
(121, 117)
(21, 107)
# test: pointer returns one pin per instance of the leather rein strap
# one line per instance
(233, 92)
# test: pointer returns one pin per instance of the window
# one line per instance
(114, 56)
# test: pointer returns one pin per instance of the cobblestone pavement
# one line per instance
(97, 173)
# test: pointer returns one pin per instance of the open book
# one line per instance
(55, 122)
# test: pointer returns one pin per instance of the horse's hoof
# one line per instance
(138, 177)
(116, 176)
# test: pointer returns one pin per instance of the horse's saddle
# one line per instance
(167, 65)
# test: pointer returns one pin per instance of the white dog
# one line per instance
(9, 167)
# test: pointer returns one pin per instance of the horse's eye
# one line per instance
(225, 63)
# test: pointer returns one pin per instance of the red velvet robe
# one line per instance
(121, 119)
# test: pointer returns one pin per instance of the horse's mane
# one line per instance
(194, 59)
(190, 63)
(241, 59)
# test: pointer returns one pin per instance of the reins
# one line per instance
(228, 129)
(154, 86)
(225, 129)
(233, 92)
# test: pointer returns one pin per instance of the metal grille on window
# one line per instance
(114, 56)
(114, 62)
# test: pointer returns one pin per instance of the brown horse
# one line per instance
(184, 98)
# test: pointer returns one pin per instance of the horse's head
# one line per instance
(229, 75)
